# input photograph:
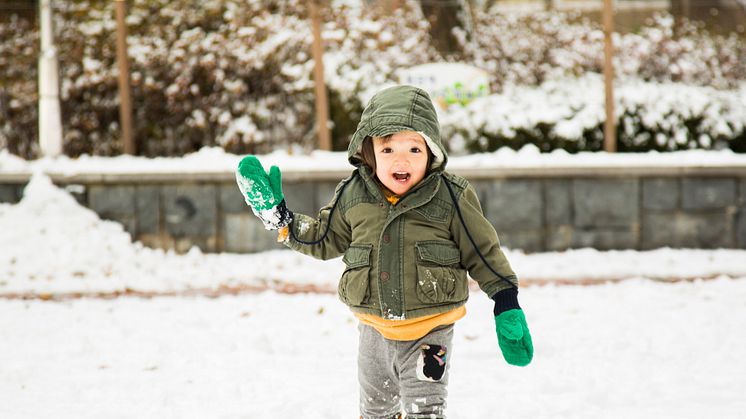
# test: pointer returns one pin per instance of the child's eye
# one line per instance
(386, 150)
(415, 150)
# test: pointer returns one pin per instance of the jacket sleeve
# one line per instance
(309, 229)
(486, 241)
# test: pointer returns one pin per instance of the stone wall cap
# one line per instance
(296, 175)
(213, 164)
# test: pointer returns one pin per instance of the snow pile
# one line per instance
(52, 245)
(51, 240)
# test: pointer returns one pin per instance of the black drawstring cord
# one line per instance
(328, 225)
(471, 239)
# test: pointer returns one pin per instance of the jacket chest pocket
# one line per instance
(434, 211)
(440, 277)
(354, 288)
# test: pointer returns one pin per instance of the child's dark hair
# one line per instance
(368, 155)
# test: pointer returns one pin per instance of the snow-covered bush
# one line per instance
(18, 88)
(650, 115)
(530, 48)
(527, 49)
(224, 72)
(203, 73)
(684, 52)
(364, 51)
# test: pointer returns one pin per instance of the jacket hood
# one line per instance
(395, 109)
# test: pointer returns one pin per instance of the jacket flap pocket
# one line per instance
(442, 253)
(357, 255)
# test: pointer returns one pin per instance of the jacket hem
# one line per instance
(410, 314)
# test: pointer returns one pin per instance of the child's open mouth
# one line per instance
(401, 176)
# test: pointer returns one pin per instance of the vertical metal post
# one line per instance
(125, 104)
(610, 143)
(50, 118)
(322, 103)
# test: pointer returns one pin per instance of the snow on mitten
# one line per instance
(511, 328)
(263, 193)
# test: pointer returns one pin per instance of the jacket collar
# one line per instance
(419, 195)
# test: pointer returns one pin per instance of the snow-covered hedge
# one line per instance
(650, 115)
(238, 73)
(530, 48)
(18, 88)
(233, 73)
(224, 73)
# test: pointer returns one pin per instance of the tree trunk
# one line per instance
(681, 8)
(488, 4)
(443, 17)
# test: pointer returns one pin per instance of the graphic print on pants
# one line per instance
(431, 365)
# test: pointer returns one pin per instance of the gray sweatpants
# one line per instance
(403, 376)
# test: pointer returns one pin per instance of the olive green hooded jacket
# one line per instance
(410, 259)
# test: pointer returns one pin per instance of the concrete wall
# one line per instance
(638, 213)
(619, 208)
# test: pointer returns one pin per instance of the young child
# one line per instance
(409, 232)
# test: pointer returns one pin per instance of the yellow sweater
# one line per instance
(409, 329)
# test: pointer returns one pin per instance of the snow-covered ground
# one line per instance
(637, 349)
(631, 349)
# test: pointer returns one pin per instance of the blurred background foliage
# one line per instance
(238, 74)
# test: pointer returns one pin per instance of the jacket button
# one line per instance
(384, 276)
(381, 204)
(386, 238)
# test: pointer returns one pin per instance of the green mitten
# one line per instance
(263, 193)
(513, 337)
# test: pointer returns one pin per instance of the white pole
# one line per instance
(50, 119)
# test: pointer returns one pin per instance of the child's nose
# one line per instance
(400, 156)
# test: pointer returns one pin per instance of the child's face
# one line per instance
(401, 161)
